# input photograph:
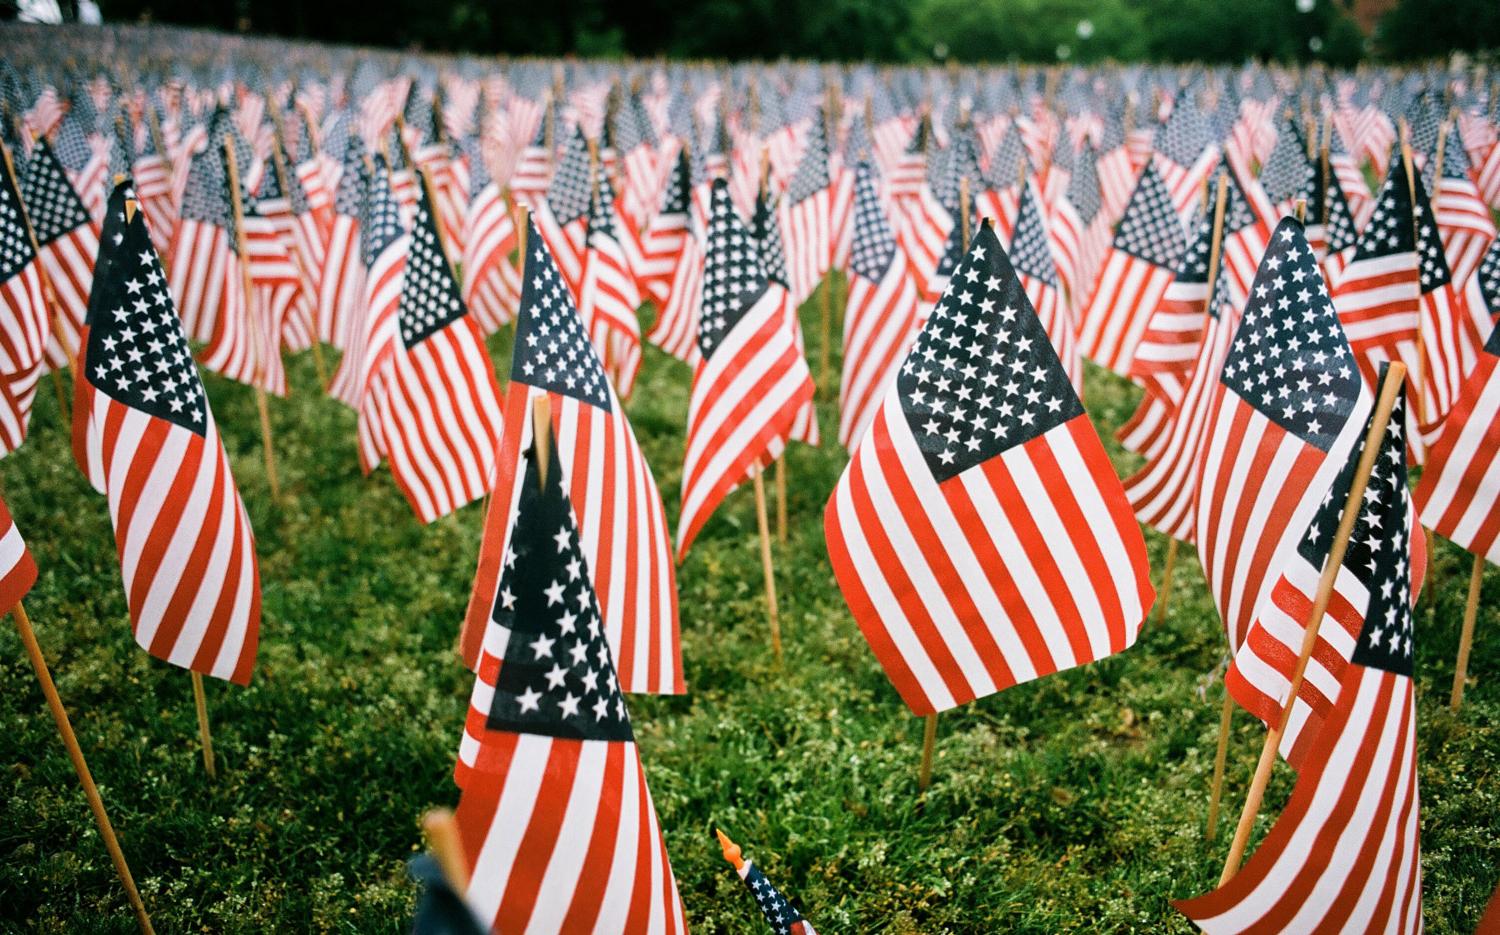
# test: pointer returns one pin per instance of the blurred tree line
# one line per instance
(877, 30)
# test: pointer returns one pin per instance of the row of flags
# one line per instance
(1205, 233)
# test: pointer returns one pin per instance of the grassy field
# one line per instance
(1075, 803)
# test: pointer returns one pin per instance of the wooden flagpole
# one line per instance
(447, 847)
(1395, 379)
(205, 735)
(781, 499)
(1466, 637)
(765, 561)
(541, 435)
(1221, 756)
(1164, 592)
(929, 729)
(1411, 186)
(81, 766)
(255, 334)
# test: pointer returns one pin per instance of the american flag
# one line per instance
(767, 233)
(1462, 216)
(1031, 254)
(17, 568)
(1185, 151)
(562, 216)
(1459, 494)
(24, 321)
(253, 328)
(187, 554)
(783, 917)
(609, 296)
(533, 170)
(665, 238)
(1345, 854)
(1363, 590)
(1447, 332)
(806, 217)
(341, 286)
(1080, 231)
(881, 316)
(433, 390)
(1248, 219)
(151, 171)
(1288, 174)
(1163, 490)
(383, 248)
(1287, 408)
(556, 821)
(750, 381)
(1136, 271)
(67, 241)
(621, 521)
(1169, 346)
(1379, 294)
(492, 284)
(1330, 226)
(205, 275)
(635, 143)
(979, 534)
(1117, 175)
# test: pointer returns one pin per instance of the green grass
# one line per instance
(1075, 803)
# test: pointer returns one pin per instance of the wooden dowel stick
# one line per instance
(1216, 240)
(929, 739)
(205, 735)
(765, 561)
(81, 767)
(541, 435)
(62, 399)
(1221, 755)
(1164, 593)
(447, 847)
(283, 175)
(1382, 415)
(1466, 637)
(781, 499)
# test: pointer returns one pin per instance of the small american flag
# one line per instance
(1185, 151)
(609, 296)
(979, 533)
(1080, 231)
(1287, 409)
(205, 272)
(433, 390)
(1462, 216)
(1345, 854)
(1136, 271)
(750, 381)
(492, 284)
(806, 217)
(555, 818)
(24, 322)
(1367, 588)
(67, 238)
(621, 520)
(1378, 296)
(341, 286)
(17, 568)
(881, 316)
(779, 913)
(187, 554)
(562, 216)
(1031, 253)
(1459, 494)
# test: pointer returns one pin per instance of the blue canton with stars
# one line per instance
(568, 195)
(51, 202)
(430, 299)
(380, 224)
(1150, 228)
(1379, 554)
(873, 247)
(1028, 248)
(779, 913)
(349, 196)
(982, 377)
(767, 233)
(557, 678)
(1431, 259)
(15, 243)
(1290, 359)
(1389, 230)
(111, 236)
(552, 351)
(733, 277)
(137, 352)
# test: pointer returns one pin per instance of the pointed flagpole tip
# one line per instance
(731, 850)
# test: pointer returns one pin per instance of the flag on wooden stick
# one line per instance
(979, 533)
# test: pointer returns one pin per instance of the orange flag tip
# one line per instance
(731, 850)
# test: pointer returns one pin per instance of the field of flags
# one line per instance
(572, 468)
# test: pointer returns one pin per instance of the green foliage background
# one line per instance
(1075, 803)
(862, 30)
